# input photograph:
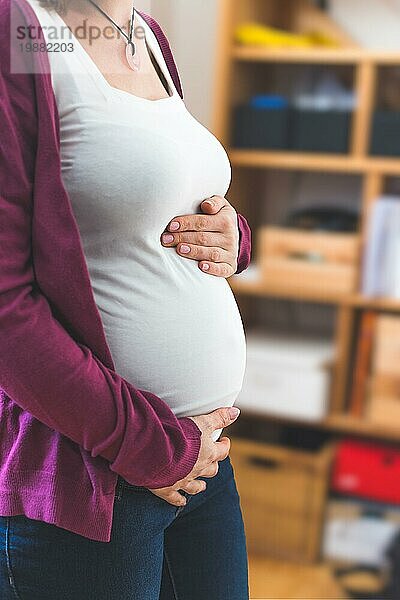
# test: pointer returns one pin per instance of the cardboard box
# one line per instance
(282, 495)
(287, 375)
(298, 261)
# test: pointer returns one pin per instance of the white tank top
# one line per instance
(129, 166)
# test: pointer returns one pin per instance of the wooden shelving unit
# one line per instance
(234, 66)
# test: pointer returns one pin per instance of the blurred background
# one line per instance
(305, 97)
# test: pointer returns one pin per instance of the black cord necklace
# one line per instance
(131, 55)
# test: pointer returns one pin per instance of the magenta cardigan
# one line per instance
(69, 424)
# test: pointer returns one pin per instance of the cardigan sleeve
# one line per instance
(43, 368)
(244, 256)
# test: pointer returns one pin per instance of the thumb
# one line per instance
(213, 205)
(223, 417)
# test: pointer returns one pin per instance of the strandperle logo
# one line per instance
(31, 42)
(63, 33)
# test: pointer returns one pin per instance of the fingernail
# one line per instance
(174, 226)
(167, 238)
(205, 266)
(210, 202)
(234, 412)
(185, 249)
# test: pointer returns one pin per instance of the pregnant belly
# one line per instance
(179, 336)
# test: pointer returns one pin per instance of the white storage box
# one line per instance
(287, 376)
(359, 534)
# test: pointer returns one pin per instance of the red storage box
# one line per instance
(367, 470)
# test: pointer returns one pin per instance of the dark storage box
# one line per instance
(261, 128)
(320, 131)
(386, 133)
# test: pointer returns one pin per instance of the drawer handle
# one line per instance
(263, 463)
(313, 257)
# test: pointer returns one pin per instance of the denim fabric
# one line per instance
(157, 551)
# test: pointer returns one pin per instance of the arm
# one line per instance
(42, 368)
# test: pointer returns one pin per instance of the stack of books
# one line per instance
(375, 391)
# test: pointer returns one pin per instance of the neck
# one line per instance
(119, 10)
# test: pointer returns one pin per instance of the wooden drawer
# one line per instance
(283, 536)
(282, 495)
(296, 260)
(276, 481)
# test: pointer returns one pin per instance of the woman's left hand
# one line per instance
(211, 238)
(174, 497)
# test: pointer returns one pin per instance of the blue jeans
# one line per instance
(157, 551)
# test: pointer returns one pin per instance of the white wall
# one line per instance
(373, 23)
(191, 29)
(145, 5)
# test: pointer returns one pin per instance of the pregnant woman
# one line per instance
(122, 347)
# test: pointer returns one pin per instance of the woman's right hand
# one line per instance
(212, 452)
(209, 455)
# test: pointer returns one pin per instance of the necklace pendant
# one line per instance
(131, 56)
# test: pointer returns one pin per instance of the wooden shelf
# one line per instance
(314, 162)
(348, 424)
(379, 304)
(263, 289)
(241, 285)
(341, 56)
(340, 423)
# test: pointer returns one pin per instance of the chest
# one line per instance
(109, 55)
(131, 165)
